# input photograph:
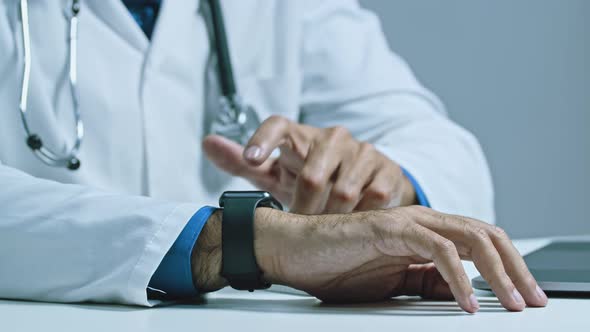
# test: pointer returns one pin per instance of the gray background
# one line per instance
(517, 74)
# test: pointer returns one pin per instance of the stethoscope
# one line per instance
(235, 120)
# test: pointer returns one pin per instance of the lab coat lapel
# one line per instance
(170, 23)
(116, 16)
(172, 95)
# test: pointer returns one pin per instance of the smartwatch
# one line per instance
(238, 262)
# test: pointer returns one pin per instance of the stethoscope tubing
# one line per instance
(237, 120)
(226, 75)
(34, 142)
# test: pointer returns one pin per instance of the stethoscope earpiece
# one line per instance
(34, 142)
(73, 164)
(75, 7)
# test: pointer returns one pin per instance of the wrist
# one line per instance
(267, 235)
(206, 257)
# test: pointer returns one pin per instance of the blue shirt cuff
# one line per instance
(173, 279)
(420, 195)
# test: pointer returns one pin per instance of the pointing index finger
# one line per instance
(271, 134)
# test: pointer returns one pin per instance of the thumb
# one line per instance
(228, 156)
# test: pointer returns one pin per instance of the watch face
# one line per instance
(245, 194)
(264, 198)
(257, 195)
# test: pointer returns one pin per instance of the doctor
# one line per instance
(113, 141)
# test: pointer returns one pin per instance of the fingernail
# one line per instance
(474, 302)
(517, 297)
(541, 294)
(253, 152)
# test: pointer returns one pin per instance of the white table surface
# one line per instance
(230, 310)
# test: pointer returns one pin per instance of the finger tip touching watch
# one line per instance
(239, 266)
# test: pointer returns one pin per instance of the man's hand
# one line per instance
(375, 255)
(318, 171)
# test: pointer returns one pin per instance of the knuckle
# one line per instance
(276, 119)
(397, 215)
(479, 234)
(312, 181)
(446, 248)
(339, 132)
(366, 148)
(499, 233)
(400, 225)
(381, 195)
(347, 195)
(466, 227)
(443, 218)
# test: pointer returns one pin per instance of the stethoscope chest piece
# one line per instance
(235, 120)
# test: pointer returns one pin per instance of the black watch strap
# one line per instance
(239, 264)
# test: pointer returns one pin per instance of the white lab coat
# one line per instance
(92, 234)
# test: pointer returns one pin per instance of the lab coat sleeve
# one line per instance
(69, 243)
(352, 79)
